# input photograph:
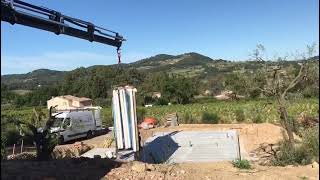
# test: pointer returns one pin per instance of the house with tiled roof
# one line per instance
(69, 102)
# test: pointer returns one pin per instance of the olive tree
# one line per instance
(39, 130)
(279, 83)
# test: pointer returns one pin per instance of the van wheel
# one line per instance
(89, 135)
(61, 140)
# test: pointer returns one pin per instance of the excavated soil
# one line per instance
(210, 171)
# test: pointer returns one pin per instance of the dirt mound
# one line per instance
(138, 170)
(70, 150)
(23, 156)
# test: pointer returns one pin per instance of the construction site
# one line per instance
(145, 147)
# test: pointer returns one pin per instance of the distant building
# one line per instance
(69, 102)
(156, 95)
(226, 95)
(207, 92)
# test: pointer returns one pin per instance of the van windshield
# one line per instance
(57, 122)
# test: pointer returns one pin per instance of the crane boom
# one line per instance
(19, 12)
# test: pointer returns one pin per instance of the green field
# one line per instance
(246, 111)
(226, 111)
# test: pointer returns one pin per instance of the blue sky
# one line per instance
(227, 29)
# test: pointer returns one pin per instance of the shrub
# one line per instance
(310, 142)
(302, 153)
(106, 115)
(241, 164)
(294, 125)
(12, 135)
(3, 148)
(240, 117)
(102, 102)
(141, 112)
(255, 93)
(257, 118)
(289, 155)
(187, 118)
(161, 101)
(209, 118)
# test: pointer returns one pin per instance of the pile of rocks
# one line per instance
(264, 154)
(23, 156)
(71, 150)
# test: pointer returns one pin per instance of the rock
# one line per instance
(243, 174)
(315, 165)
(151, 167)
(139, 167)
(182, 171)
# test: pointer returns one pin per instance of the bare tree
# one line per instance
(258, 52)
(279, 84)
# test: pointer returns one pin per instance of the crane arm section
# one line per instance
(19, 12)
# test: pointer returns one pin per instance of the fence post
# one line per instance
(239, 151)
(14, 146)
(21, 146)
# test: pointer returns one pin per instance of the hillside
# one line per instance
(31, 80)
(188, 64)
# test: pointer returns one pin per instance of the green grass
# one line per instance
(256, 111)
(242, 164)
(228, 111)
(253, 111)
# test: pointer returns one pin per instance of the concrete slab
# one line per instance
(102, 152)
(191, 146)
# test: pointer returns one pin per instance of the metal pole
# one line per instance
(239, 146)
(14, 146)
(21, 146)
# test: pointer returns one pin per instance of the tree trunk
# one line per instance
(285, 121)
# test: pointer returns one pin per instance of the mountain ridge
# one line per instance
(188, 64)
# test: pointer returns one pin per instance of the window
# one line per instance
(57, 122)
(66, 123)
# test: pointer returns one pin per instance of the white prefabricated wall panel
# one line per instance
(117, 119)
(135, 143)
(125, 120)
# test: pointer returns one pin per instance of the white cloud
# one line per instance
(11, 64)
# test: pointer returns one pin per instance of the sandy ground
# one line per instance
(75, 148)
(94, 169)
(213, 171)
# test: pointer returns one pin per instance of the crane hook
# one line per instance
(119, 55)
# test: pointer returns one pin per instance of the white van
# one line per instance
(76, 123)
